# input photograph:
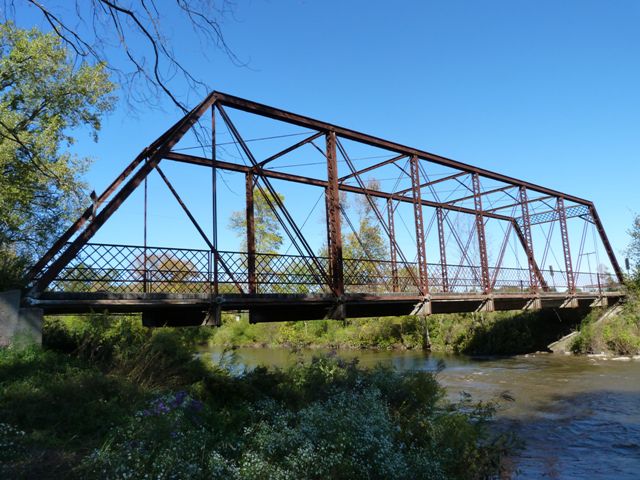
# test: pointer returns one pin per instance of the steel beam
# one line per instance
(605, 241)
(526, 230)
(372, 167)
(251, 235)
(289, 149)
(89, 213)
(564, 233)
(334, 230)
(482, 242)
(432, 182)
(443, 250)
(393, 245)
(197, 226)
(367, 193)
(518, 203)
(273, 199)
(234, 167)
(153, 158)
(214, 204)
(503, 248)
(419, 224)
(541, 281)
(487, 192)
(307, 122)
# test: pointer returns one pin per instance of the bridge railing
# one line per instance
(137, 269)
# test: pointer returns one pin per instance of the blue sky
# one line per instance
(545, 91)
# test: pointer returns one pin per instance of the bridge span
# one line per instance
(477, 240)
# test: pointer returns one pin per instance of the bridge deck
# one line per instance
(189, 309)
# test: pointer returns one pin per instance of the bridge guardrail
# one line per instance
(139, 269)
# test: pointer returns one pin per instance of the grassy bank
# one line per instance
(617, 335)
(106, 398)
(499, 333)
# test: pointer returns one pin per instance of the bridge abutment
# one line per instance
(19, 326)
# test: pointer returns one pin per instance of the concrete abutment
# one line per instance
(19, 326)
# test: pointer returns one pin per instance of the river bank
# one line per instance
(497, 333)
(577, 415)
(107, 398)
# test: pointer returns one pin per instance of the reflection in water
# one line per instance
(579, 417)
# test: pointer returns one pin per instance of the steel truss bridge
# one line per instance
(182, 286)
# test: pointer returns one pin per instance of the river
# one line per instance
(579, 416)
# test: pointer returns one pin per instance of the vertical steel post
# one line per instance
(251, 236)
(443, 250)
(482, 240)
(332, 195)
(214, 203)
(526, 230)
(392, 244)
(564, 233)
(420, 241)
(144, 269)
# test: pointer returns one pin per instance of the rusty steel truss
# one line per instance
(76, 275)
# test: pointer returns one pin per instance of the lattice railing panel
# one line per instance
(134, 269)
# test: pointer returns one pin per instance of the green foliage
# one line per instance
(58, 399)
(367, 241)
(499, 333)
(619, 334)
(12, 269)
(88, 414)
(268, 231)
(167, 439)
(324, 419)
(633, 250)
(44, 96)
(150, 358)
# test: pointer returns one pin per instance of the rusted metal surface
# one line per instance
(526, 230)
(443, 249)
(307, 122)
(251, 235)
(172, 137)
(393, 251)
(566, 248)
(607, 245)
(372, 167)
(118, 269)
(376, 286)
(234, 167)
(480, 233)
(214, 206)
(419, 224)
(333, 216)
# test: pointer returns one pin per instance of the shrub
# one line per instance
(167, 439)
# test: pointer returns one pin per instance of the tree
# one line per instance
(367, 241)
(267, 228)
(131, 39)
(43, 97)
(633, 250)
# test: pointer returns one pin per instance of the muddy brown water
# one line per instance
(579, 416)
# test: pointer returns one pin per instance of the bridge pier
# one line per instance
(19, 326)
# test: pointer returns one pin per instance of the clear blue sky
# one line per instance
(547, 91)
